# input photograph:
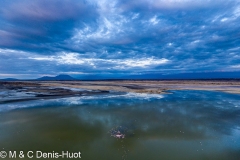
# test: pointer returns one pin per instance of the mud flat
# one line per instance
(155, 87)
(23, 91)
(32, 90)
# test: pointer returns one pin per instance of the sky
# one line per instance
(118, 38)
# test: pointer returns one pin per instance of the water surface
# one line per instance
(187, 125)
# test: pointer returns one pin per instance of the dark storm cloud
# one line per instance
(119, 36)
(41, 24)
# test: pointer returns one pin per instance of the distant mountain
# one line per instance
(60, 77)
(159, 76)
(9, 79)
(146, 76)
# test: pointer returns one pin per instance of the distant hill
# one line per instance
(61, 77)
(146, 76)
(159, 76)
(9, 79)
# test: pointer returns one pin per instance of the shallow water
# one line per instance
(184, 125)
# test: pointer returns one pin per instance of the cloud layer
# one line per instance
(164, 36)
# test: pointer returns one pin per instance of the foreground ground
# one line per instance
(30, 90)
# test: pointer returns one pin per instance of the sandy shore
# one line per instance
(31, 90)
(156, 87)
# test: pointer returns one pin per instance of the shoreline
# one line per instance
(16, 91)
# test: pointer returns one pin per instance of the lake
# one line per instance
(184, 124)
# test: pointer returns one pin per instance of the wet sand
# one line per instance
(32, 90)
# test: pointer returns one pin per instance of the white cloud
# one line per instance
(235, 66)
(154, 20)
(109, 28)
(76, 59)
(182, 3)
(144, 62)
(12, 52)
(70, 58)
(236, 12)
(135, 16)
(110, 24)
(228, 16)
(224, 19)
